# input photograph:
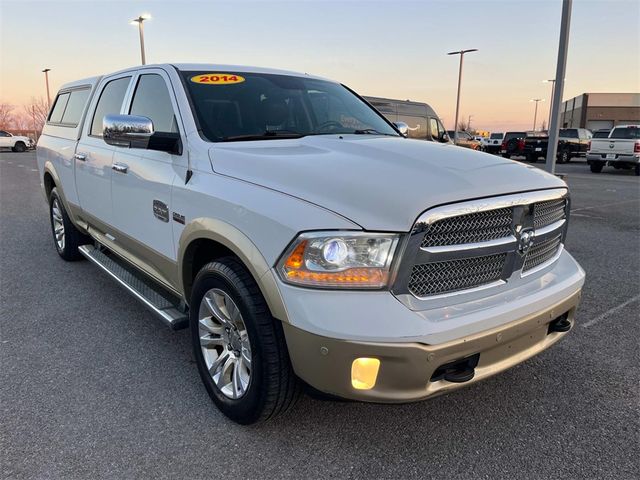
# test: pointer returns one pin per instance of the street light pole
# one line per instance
(139, 21)
(552, 81)
(559, 86)
(455, 125)
(46, 79)
(469, 123)
(535, 114)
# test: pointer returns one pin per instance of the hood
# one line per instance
(380, 183)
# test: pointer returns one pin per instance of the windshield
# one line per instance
(568, 133)
(256, 106)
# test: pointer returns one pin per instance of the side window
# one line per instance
(110, 102)
(75, 107)
(58, 108)
(151, 99)
(4, 134)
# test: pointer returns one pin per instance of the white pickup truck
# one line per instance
(302, 238)
(16, 143)
(621, 149)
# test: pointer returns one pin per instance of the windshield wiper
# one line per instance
(266, 135)
(371, 131)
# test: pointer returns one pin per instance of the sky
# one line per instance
(389, 48)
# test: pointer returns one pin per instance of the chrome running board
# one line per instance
(154, 297)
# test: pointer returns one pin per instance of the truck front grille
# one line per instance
(469, 228)
(542, 252)
(454, 275)
(472, 244)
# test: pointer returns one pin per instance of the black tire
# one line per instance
(531, 158)
(563, 157)
(73, 238)
(273, 387)
(596, 167)
(19, 147)
(637, 170)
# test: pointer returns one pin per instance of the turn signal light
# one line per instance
(364, 373)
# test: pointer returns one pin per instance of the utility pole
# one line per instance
(469, 123)
(46, 79)
(561, 67)
(455, 125)
(552, 81)
(139, 21)
(535, 114)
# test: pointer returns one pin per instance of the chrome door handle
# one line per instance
(120, 167)
(80, 156)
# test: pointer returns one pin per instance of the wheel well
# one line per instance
(197, 255)
(48, 183)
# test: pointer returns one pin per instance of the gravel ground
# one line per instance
(92, 386)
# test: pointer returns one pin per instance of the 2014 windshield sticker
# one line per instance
(217, 78)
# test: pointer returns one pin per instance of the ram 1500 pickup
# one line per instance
(302, 239)
(620, 150)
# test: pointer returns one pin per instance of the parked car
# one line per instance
(513, 144)
(16, 143)
(465, 139)
(572, 142)
(535, 146)
(493, 142)
(299, 236)
(621, 149)
(422, 121)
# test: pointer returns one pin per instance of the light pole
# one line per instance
(139, 21)
(46, 79)
(469, 123)
(535, 113)
(552, 81)
(461, 53)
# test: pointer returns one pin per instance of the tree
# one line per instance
(543, 126)
(37, 112)
(462, 126)
(6, 116)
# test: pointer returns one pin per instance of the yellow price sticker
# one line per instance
(217, 78)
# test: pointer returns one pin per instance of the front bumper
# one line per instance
(406, 369)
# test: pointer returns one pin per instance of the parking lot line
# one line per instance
(603, 205)
(610, 312)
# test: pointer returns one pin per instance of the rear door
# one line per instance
(93, 158)
(143, 183)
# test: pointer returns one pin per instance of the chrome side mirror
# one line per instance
(127, 131)
(402, 127)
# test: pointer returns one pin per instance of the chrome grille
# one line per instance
(470, 228)
(546, 213)
(541, 252)
(453, 275)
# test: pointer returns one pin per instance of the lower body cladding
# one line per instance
(401, 370)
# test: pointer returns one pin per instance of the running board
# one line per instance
(155, 298)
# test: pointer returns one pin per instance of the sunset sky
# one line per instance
(382, 48)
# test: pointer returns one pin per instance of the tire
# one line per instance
(531, 158)
(19, 147)
(637, 170)
(66, 245)
(269, 386)
(596, 167)
(563, 157)
(506, 155)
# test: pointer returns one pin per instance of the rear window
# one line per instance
(569, 132)
(496, 136)
(626, 133)
(58, 108)
(511, 135)
(601, 134)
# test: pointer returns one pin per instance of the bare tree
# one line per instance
(543, 126)
(37, 112)
(462, 126)
(6, 115)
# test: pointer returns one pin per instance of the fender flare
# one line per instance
(237, 242)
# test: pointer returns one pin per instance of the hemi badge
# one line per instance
(178, 218)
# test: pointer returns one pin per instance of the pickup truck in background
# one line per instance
(301, 238)
(16, 143)
(513, 144)
(572, 142)
(620, 150)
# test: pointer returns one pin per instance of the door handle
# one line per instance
(120, 167)
(80, 156)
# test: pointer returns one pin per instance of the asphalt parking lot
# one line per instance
(93, 386)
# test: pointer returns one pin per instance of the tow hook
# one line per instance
(458, 371)
(560, 324)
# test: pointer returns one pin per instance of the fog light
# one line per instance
(364, 372)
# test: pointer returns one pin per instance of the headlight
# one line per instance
(339, 259)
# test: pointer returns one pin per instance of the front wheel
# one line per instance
(596, 167)
(239, 347)
(19, 147)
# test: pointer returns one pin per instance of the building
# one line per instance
(600, 110)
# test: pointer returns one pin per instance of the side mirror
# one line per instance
(402, 127)
(132, 131)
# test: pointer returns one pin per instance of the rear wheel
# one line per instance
(596, 167)
(239, 347)
(66, 237)
(563, 157)
(637, 170)
(19, 147)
